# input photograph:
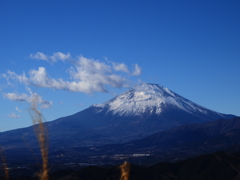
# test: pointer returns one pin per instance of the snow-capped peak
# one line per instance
(150, 98)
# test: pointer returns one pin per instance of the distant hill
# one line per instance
(210, 136)
(180, 142)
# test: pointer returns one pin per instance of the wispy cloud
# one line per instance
(32, 97)
(137, 70)
(16, 97)
(51, 59)
(121, 67)
(60, 56)
(19, 110)
(39, 56)
(13, 115)
(87, 75)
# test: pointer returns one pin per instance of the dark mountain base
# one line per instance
(219, 166)
(177, 144)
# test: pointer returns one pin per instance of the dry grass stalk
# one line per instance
(41, 134)
(125, 170)
(4, 165)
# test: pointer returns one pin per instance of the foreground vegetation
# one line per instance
(215, 166)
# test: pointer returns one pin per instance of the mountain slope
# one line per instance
(137, 113)
(175, 144)
(198, 138)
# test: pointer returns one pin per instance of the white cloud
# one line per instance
(12, 75)
(19, 110)
(87, 75)
(121, 67)
(51, 59)
(60, 56)
(13, 115)
(137, 70)
(45, 104)
(33, 97)
(39, 56)
(16, 97)
(92, 76)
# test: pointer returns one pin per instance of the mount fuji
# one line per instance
(152, 99)
(139, 112)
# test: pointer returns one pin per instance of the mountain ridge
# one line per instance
(99, 124)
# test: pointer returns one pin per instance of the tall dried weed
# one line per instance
(42, 137)
(125, 170)
(5, 168)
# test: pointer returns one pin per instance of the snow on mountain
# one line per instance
(151, 98)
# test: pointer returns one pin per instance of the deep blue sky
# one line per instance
(190, 47)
